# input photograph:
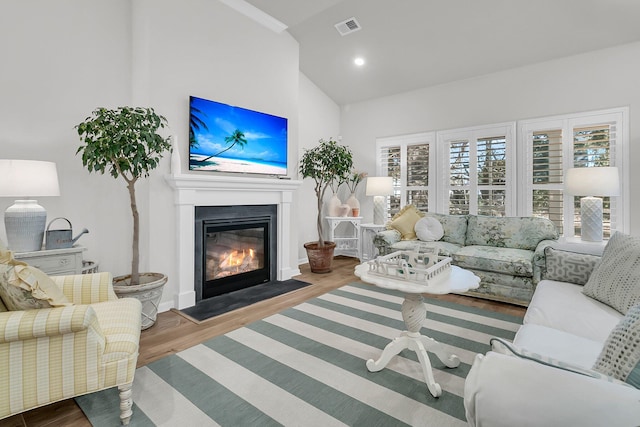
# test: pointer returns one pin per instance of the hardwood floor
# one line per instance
(174, 332)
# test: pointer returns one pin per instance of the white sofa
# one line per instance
(565, 326)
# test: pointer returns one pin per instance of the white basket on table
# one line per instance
(415, 267)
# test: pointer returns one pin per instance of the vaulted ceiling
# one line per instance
(409, 44)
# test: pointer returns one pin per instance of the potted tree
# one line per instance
(325, 163)
(125, 141)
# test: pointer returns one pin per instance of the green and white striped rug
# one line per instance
(306, 367)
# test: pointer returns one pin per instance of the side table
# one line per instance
(575, 244)
(414, 312)
(367, 233)
(55, 262)
(345, 232)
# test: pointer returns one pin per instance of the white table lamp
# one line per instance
(379, 187)
(25, 220)
(590, 182)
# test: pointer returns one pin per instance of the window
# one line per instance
(475, 166)
(410, 161)
(553, 145)
(478, 171)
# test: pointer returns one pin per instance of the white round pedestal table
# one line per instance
(414, 312)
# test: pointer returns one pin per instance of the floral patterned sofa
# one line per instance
(507, 253)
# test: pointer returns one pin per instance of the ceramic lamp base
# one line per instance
(24, 222)
(591, 219)
(379, 210)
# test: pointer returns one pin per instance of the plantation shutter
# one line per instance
(417, 192)
(548, 175)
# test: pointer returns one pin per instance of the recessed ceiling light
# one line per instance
(359, 61)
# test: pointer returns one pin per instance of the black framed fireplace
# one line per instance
(235, 248)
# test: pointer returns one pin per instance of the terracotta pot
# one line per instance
(148, 292)
(320, 257)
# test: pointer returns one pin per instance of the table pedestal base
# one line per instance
(414, 312)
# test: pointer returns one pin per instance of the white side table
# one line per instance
(575, 244)
(55, 262)
(367, 233)
(345, 232)
(414, 312)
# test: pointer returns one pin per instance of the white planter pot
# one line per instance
(148, 292)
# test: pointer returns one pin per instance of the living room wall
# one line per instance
(75, 55)
(596, 80)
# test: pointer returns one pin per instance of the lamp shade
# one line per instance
(28, 178)
(598, 181)
(379, 186)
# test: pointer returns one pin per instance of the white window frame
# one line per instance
(403, 141)
(568, 122)
(473, 134)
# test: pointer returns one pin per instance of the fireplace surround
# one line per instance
(192, 190)
(235, 248)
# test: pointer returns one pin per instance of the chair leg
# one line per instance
(126, 402)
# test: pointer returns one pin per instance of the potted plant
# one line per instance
(125, 141)
(325, 163)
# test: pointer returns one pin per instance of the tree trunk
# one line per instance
(135, 258)
(319, 222)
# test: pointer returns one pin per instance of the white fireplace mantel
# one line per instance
(193, 190)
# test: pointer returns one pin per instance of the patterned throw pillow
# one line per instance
(23, 287)
(620, 356)
(615, 280)
(429, 229)
(405, 222)
(565, 266)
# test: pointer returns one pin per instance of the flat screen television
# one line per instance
(224, 138)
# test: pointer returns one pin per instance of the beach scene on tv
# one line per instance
(224, 138)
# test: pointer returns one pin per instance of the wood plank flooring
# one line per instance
(174, 332)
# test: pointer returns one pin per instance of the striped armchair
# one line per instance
(53, 354)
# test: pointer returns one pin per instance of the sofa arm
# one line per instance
(503, 390)
(539, 263)
(384, 239)
(87, 288)
(46, 322)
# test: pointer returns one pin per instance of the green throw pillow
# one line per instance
(615, 280)
(620, 356)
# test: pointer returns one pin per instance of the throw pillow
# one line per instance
(565, 266)
(429, 229)
(23, 287)
(620, 356)
(615, 280)
(405, 222)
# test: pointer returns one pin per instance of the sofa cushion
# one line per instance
(444, 248)
(429, 229)
(454, 226)
(558, 344)
(500, 345)
(615, 280)
(509, 232)
(563, 306)
(620, 356)
(405, 222)
(23, 287)
(517, 262)
(571, 267)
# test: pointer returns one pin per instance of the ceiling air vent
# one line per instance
(347, 27)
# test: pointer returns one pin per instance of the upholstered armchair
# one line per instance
(52, 354)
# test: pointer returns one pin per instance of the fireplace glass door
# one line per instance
(236, 255)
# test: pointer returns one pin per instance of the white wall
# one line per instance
(60, 60)
(67, 57)
(319, 118)
(597, 80)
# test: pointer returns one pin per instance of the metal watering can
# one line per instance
(61, 239)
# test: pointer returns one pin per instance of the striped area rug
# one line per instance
(305, 366)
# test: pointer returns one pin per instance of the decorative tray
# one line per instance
(416, 267)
